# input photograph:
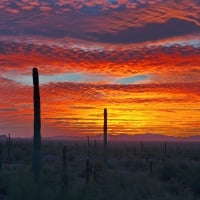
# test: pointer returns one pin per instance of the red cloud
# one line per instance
(160, 62)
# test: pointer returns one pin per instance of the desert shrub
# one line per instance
(3, 185)
(138, 165)
(169, 171)
(173, 187)
(71, 157)
(191, 179)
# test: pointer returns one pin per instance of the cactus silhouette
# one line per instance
(165, 148)
(65, 180)
(150, 167)
(36, 165)
(95, 148)
(87, 170)
(147, 158)
(88, 146)
(9, 143)
(142, 147)
(105, 144)
(94, 167)
(0, 156)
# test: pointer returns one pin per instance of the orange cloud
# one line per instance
(73, 108)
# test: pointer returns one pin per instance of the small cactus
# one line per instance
(135, 151)
(165, 148)
(87, 170)
(142, 147)
(9, 144)
(94, 167)
(150, 167)
(94, 172)
(88, 146)
(65, 180)
(0, 156)
(147, 158)
(95, 148)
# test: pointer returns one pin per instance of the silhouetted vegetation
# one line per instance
(65, 176)
(129, 176)
(105, 154)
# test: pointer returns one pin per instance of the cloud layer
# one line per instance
(104, 21)
(140, 59)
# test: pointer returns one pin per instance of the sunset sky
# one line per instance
(140, 59)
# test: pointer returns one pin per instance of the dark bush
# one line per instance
(169, 171)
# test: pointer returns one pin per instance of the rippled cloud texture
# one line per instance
(138, 58)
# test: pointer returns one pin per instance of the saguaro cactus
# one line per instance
(87, 170)
(150, 167)
(95, 148)
(105, 143)
(88, 146)
(65, 169)
(94, 167)
(36, 165)
(165, 148)
(88, 161)
(0, 156)
(9, 143)
(142, 147)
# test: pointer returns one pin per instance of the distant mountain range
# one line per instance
(3, 137)
(148, 137)
(138, 137)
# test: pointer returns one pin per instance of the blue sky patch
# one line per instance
(133, 79)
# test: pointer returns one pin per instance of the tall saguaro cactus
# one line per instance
(105, 143)
(37, 127)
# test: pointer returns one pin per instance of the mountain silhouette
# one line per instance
(138, 137)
